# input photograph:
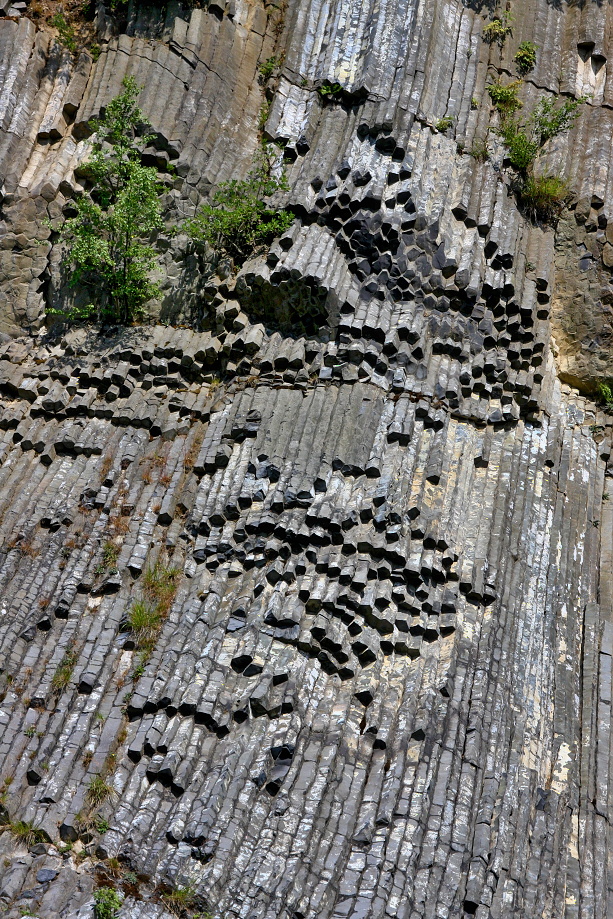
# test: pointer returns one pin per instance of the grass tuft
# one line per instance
(27, 833)
(543, 197)
(63, 675)
(98, 791)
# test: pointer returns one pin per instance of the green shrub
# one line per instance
(549, 119)
(107, 903)
(474, 103)
(605, 393)
(524, 140)
(543, 197)
(106, 239)
(525, 57)
(521, 150)
(65, 30)
(240, 223)
(498, 29)
(267, 69)
(443, 124)
(505, 98)
(330, 90)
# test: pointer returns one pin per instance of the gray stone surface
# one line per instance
(383, 685)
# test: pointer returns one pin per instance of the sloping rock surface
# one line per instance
(383, 683)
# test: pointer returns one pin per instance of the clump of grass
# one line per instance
(108, 562)
(113, 866)
(160, 584)
(145, 622)
(63, 675)
(180, 900)
(98, 791)
(543, 197)
(27, 833)
(147, 614)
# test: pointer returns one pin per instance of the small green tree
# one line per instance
(107, 240)
(239, 222)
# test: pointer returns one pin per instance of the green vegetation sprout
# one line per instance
(27, 833)
(525, 58)
(544, 196)
(498, 29)
(443, 124)
(505, 97)
(605, 392)
(267, 69)
(240, 223)
(63, 675)
(107, 903)
(66, 32)
(330, 90)
(98, 791)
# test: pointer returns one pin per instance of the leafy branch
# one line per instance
(240, 222)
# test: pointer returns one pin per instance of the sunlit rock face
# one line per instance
(350, 479)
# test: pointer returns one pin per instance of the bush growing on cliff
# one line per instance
(505, 98)
(66, 33)
(240, 222)
(107, 240)
(542, 195)
(107, 903)
(498, 29)
(525, 57)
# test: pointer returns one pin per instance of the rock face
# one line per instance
(381, 685)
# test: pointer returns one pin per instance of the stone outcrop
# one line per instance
(383, 683)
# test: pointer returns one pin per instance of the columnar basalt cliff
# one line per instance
(369, 464)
